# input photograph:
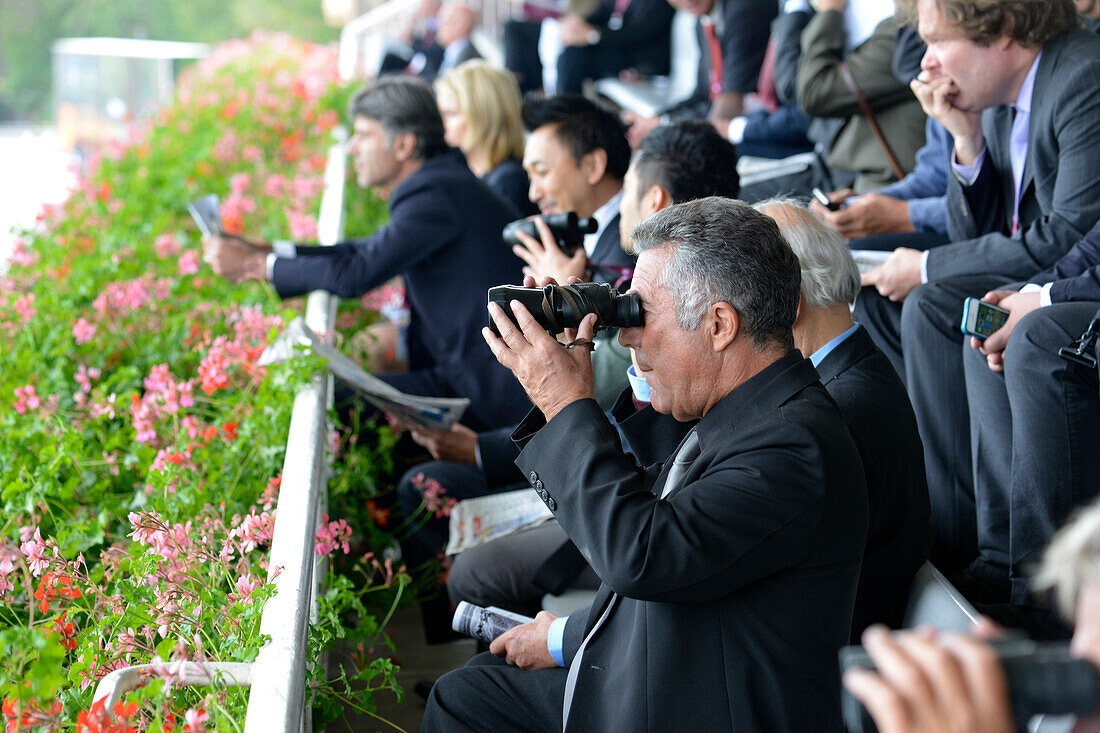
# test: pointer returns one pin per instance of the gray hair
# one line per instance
(723, 251)
(1072, 560)
(403, 104)
(829, 274)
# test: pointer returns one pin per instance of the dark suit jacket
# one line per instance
(876, 410)
(608, 252)
(737, 589)
(449, 259)
(746, 28)
(1061, 191)
(642, 41)
(510, 182)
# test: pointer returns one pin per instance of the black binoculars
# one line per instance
(568, 229)
(558, 307)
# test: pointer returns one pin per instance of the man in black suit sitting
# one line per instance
(729, 571)
(448, 257)
(872, 399)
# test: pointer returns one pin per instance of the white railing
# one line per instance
(277, 698)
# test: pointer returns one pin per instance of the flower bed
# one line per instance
(140, 445)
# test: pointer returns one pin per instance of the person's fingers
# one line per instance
(524, 254)
(943, 672)
(530, 330)
(512, 336)
(885, 705)
(996, 361)
(547, 280)
(530, 242)
(500, 350)
(548, 242)
(984, 678)
(528, 279)
(573, 279)
(499, 646)
(996, 341)
(987, 629)
(976, 343)
(897, 667)
(587, 328)
(871, 277)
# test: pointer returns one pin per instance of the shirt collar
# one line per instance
(1027, 89)
(453, 51)
(819, 356)
(603, 216)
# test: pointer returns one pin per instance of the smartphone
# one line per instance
(824, 200)
(981, 319)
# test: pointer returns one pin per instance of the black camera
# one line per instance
(558, 307)
(568, 229)
(1042, 679)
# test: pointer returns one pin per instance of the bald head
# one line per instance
(456, 21)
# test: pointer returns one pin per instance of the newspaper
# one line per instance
(206, 211)
(484, 518)
(439, 413)
(485, 624)
(869, 259)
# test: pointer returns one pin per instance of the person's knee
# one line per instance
(445, 703)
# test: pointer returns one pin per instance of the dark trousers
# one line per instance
(577, 63)
(490, 695)
(521, 53)
(923, 340)
(1033, 434)
(501, 572)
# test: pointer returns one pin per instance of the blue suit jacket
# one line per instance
(444, 237)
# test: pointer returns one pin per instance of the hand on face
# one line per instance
(936, 94)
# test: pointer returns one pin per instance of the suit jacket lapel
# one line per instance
(846, 355)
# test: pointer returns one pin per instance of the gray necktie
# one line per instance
(689, 451)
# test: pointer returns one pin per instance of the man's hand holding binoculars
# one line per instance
(553, 376)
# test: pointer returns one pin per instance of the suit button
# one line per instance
(534, 477)
(542, 494)
(538, 485)
(551, 504)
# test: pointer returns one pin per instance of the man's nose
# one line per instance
(628, 336)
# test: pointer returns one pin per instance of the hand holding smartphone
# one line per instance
(981, 319)
(824, 200)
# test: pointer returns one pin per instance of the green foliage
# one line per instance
(140, 443)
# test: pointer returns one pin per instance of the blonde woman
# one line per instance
(480, 106)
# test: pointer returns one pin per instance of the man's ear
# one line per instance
(655, 199)
(404, 146)
(594, 165)
(801, 308)
(724, 323)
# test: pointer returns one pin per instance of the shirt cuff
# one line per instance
(924, 267)
(968, 174)
(736, 131)
(555, 640)
(797, 6)
(271, 257)
(284, 248)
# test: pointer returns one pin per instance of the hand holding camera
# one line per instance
(551, 245)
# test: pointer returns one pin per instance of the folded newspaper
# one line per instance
(439, 413)
(206, 211)
(484, 518)
(485, 624)
(869, 259)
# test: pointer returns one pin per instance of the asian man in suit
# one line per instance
(730, 570)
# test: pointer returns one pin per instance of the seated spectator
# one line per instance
(447, 257)
(875, 408)
(719, 564)
(576, 157)
(967, 683)
(1014, 208)
(825, 91)
(481, 114)
(675, 163)
(456, 22)
(620, 35)
(913, 211)
(733, 37)
(416, 41)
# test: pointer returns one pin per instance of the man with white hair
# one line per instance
(873, 403)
